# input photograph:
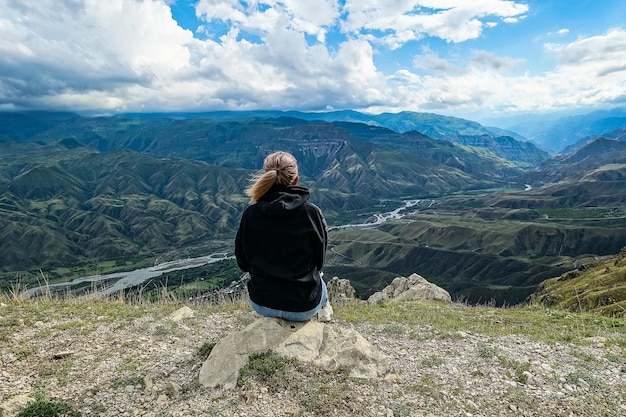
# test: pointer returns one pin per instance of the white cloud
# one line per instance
(591, 73)
(562, 31)
(56, 48)
(128, 55)
(451, 20)
(312, 17)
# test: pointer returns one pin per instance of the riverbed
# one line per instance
(107, 284)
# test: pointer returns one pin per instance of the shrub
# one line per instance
(43, 406)
(267, 368)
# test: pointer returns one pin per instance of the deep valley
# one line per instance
(498, 216)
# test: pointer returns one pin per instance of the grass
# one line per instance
(321, 392)
(205, 350)
(599, 287)
(266, 368)
(43, 406)
(585, 213)
(537, 322)
(576, 377)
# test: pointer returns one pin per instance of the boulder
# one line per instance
(340, 291)
(415, 287)
(182, 313)
(312, 342)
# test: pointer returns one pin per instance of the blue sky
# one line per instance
(478, 58)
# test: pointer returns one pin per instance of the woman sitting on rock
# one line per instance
(281, 242)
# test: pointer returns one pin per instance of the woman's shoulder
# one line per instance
(312, 206)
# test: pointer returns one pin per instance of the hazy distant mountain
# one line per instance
(557, 135)
(619, 134)
(19, 126)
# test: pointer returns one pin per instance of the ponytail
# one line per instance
(278, 168)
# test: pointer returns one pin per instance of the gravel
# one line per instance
(147, 365)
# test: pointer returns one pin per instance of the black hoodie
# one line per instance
(281, 242)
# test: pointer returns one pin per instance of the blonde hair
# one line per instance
(278, 168)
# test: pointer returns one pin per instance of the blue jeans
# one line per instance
(292, 315)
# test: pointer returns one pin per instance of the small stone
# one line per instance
(597, 339)
(172, 389)
(162, 399)
(148, 383)
(583, 384)
(472, 404)
(513, 407)
(182, 313)
(62, 354)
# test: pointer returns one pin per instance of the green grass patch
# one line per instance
(44, 406)
(538, 323)
(266, 368)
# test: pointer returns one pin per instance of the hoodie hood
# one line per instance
(282, 198)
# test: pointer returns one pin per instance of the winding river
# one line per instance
(107, 284)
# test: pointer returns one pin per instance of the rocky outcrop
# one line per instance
(312, 342)
(415, 287)
(340, 291)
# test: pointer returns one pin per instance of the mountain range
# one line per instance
(76, 190)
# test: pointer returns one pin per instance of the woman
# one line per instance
(281, 242)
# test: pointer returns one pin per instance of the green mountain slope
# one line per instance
(64, 206)
(64, 203)
(147, 186)
(496, 247)
(598, 287)
(139, 129)
(598, 155)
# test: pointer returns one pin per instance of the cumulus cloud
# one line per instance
(129, 55)
(591, 72)
(312, 17)
(66, 49)
(451, 20)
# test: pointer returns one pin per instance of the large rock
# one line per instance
(313, 342)
(415, 287)
(340, 291)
